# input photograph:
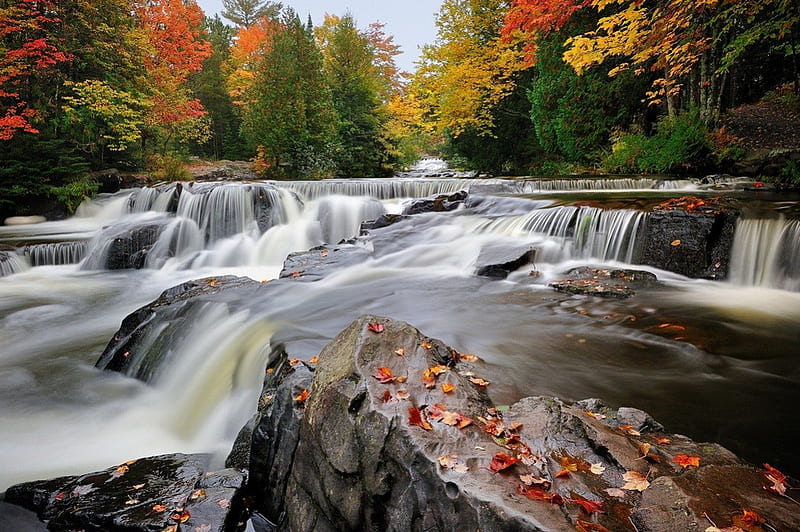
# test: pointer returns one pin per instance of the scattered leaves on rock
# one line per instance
(301, 398)
(635, 481)
(502, 461)
(376, 327)
(415, 419)
(684, 460)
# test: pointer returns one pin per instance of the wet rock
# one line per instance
(316, 263)
(142, 342)
(694, 244)
(350, 458)
(382, 221)
(497, 261)
(440, 203)
(149, 494)
(602, 282)
(128, 249)
(109, 180)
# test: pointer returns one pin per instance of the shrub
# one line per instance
(168, 167)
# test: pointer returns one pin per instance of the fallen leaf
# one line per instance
(313, 360)
(777, 478)
(628, 429)
(302, 397)
(502, 461)
(448, 387)
(324, 253)
(468, 358)
(294, 361)
(479, 382)
(597, 469)
(684, 460)
(415, 418)
(212, 282)
(83, 490)
(663, 441)
(635, 481)
(530, 480)
(131, 501)
(121, 470)
(138, 486)
(436, 412)
(400, 351)
(594, 414)
(402, 395)
(586, 526)
(387, 396)
(376, 327)
(451, 461)
(748, 519)
(591, 507)
(538, 494)
(296, 274)
(570, 464)
(426, 345)
(224, 503)
(270, 371)
(675, 243)
(158, 508)
(615, 492)
(198, 494)
(384, 375)
(181, 516)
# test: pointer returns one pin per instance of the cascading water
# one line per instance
(766, 252)
(57, 253)
(61, 415)
(10, 263)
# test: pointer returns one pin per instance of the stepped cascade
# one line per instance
(66, 286)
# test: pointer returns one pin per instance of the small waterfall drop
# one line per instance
(766, 253)
(576, 232)
(55, 254)
(11, 263)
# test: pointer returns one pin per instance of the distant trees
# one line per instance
(245, 13)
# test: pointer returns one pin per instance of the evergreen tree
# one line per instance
(247, 12)
(290, 115)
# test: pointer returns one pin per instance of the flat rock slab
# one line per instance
(150, 494)
(397, 433)
(318, 262)
(440, 203)
(496, 261)
(602, 282)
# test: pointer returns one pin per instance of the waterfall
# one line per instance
(766, 252)
(11, 263)
(576, 232)
(382, 189)
(56, 253)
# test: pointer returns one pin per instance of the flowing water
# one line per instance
(716, 361)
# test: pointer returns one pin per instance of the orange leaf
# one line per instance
(468, 358)
(479, 382)
(748, 518)
(294, 361)
(313, 360)
(415, 418)
(376, 327)
(502, 461)
(663, 441)
(675, 243)
(436, 412)
(777, 478)
(684, 460)
(426, 345)
(302, 397)
(586, 526)
(587, 504)
(181, 516)
(384, 375)
(158, 508)
(448, 387)
(538, 494)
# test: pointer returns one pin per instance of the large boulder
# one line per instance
(146, 495)
(440, 203)
(142, 342)
(603, 282)
(375, 446)
(692, 241)
(496, 261)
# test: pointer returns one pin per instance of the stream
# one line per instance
(715, 360)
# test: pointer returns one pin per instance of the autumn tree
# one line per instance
(247, 12)
(173, 29)
(289, 113)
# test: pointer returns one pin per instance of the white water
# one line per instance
(766, 253)
(60, 415)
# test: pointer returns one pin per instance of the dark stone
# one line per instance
(316, 263)
(349, 459)
(137, 353)
(440, 203)
(130, 497)
(110, 181)
(603, 282)
(692, 244)
(497, 261)
(382, 221)
(128, 250)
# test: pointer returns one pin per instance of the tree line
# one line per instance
(521, 86)
(508, 87)
(92, 84)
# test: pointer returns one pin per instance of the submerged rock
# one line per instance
(150, 494)
(603, 282)
(497, 261)
(373, 447)
(382, 221)
(142, 342)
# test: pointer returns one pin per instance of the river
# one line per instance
(714, 360)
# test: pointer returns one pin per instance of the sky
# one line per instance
(409, 21)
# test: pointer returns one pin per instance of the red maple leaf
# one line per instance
(502, 461)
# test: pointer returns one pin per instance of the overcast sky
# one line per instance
(410, 21)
